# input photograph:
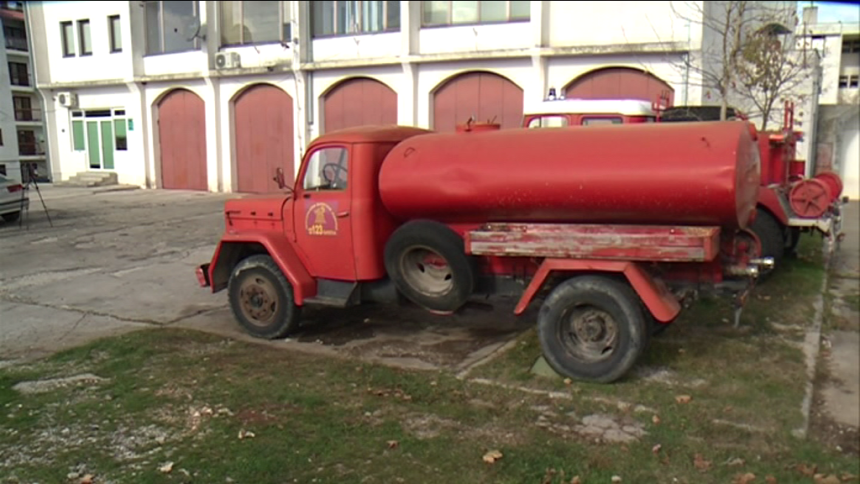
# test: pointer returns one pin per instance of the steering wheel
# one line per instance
(336, 168)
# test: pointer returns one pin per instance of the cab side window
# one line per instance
(327, 169)
(548, 122)
(591, 121)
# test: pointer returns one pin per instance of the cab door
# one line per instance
(321, 217)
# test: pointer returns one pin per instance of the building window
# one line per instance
(16, 37)
(475, 12)
(344, 18)
(68, 36)
(120, 137)
(167, 27)
(84, 38)
(23, 108)
(19, 74)
(115, 33)
(849, 81)
(27, 143)
(255, 22)
(850, 46)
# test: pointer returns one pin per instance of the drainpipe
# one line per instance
(47, 133)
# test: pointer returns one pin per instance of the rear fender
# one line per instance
(234, 247)
(769, 200)
(654, 294)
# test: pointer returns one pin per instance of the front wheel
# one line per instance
(592, 328)
(12, 216)
(262, 299)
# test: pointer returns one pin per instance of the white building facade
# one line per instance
(838, 120)
(218, 95)
(22, 134)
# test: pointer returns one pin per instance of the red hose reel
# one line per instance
(811, 198)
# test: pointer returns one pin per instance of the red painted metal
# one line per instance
(263, 125)
(620, 83)
(810, 198)
(796, 170)
(771, 199)
(673, 173)
(359, 101)
(833, 182)
(478, 127)
(614, 242)
(182, 138)
(662, 304)
(368, 223)
(484, 95)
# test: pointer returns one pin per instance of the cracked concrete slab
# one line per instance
(116, 261)
(34, 331)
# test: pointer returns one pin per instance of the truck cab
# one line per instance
(561, 113)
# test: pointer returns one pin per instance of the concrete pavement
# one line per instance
(116, 261)
(841, 393)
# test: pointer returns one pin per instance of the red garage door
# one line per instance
(263, 117)
(359, 102)
(182, 137)
(618, 83)
(484, 95)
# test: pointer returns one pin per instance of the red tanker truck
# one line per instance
(608, 227)
(788, 203)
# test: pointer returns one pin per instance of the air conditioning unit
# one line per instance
(68, 99)
(228, 60)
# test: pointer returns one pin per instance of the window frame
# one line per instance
(26, 71)
(319, 172)
(449, 21)
(80, 31)
(282, 23)
(68, 38)
(114, 34)
(18, 103)
(386, 28)
(147, 51)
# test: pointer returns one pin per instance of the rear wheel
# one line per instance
(428, 264)
(791, 240)
(11, 217)
(770, 233)
(592, 328)
(262, 299)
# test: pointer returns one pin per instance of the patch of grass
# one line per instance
(187, 397)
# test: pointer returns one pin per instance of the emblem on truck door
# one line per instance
(320, 219)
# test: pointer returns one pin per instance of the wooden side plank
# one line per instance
(608, 242)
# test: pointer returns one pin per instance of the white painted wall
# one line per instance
(611, 23)
(9, 148)
(129, 165)
(475, 38)
(102, 64)
(849, 158)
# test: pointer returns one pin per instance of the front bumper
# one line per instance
(203, 275)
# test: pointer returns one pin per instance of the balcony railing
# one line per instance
(32, 114)
(30, 149)
(16, 43)
(20, 81)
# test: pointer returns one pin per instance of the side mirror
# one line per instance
(279, 178)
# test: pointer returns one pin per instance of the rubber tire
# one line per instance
(614, 297)
(12, 217)
(446, 243)
(770, 233)
(286, 320)
(792, 239)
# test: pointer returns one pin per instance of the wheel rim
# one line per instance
(426, 271)
(258, 300)
(588, 333)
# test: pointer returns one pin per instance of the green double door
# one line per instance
(100, 144)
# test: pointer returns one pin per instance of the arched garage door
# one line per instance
(182, 137)
(359, 102)
(618, 83)
(482, 94)
(263, 125)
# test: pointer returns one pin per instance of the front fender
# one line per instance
(771, 201)
(234, 247)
